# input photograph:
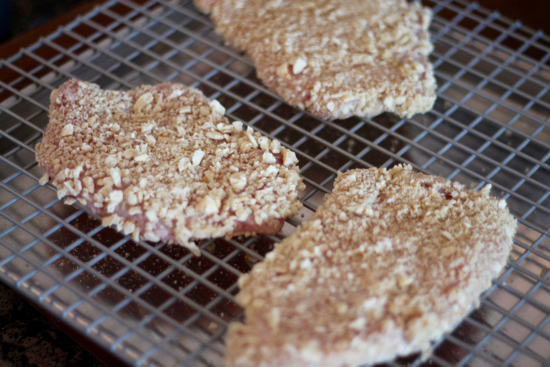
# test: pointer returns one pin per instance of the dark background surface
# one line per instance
(533, 13)
(27, 338)
(19, 16)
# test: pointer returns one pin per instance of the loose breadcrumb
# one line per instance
(391, 261)
(335, 58)
(159, 162)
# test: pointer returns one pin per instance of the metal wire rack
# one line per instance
(158, 305)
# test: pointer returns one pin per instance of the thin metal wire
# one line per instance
(360, 139)
(110, 251)
(84, 266)
(130, 43)
(512, 25)
(66, 253)
(130, 85)
(415, 123)
(471, 36)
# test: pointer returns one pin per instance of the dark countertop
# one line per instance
(532, 13)
(20, 16)
(28, 338)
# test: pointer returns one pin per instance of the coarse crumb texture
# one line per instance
(391, 261)
(162, 163)
(335, 58)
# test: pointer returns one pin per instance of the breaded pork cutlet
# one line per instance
(163, 163)
(335, 58)
(391, 261)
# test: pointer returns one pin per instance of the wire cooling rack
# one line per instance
(158, 305)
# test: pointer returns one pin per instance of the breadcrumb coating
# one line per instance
(163, 164)
(335, 58)
(391, 261)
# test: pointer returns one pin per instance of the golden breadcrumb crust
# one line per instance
(391, 261)
(335, 58)
(162, 163)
